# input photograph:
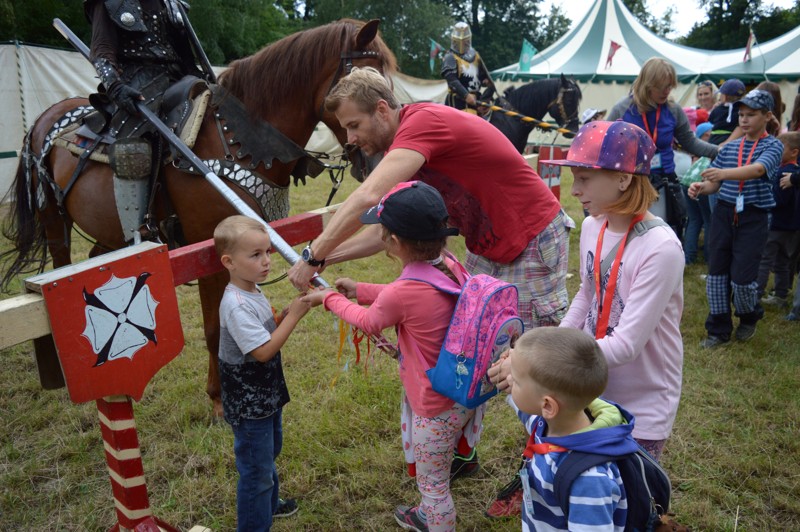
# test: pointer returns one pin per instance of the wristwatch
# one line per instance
(308, 257)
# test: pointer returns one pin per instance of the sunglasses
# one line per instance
(705, 83)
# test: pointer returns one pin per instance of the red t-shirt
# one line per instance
(494, 198)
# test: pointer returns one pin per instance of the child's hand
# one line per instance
(786, 181)
(347, 287)
(315, 297)
(695, 189)
(713, 174)
(298, 307)
(499, 373)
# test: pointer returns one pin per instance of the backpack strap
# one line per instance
(571, 468)
(638, 230)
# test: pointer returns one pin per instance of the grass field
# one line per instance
(734, 457)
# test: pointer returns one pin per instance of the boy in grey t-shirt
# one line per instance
(253, 387)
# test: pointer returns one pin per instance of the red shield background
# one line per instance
(63, 292)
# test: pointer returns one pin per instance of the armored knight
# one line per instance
(139, 49)
(464, 70)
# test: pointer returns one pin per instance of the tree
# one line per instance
(639, 9)
(406, 26)
(729, 22)
(32, 22)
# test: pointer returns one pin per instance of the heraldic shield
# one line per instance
(115, 320)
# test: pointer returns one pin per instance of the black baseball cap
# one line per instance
(412, 210)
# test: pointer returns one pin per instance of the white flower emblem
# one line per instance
(120, 318)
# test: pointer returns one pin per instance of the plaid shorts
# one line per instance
(539, 273)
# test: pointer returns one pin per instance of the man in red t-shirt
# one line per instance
(513, 225)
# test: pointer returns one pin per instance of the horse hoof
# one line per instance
(217, 409)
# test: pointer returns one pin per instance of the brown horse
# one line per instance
(284, 85)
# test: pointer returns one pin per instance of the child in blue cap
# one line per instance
(741, 174)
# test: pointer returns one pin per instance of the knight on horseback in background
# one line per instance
(465, 71)
(140, 49)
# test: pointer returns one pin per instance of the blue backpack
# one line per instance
(647, 486)
(484, 325)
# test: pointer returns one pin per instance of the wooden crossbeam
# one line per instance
(24, 317)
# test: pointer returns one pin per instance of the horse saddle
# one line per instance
(186, 101)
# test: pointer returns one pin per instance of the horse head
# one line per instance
(564, 108)
(362, 46)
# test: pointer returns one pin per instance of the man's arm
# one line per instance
(397, 166)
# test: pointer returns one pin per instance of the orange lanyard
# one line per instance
(749, 157)
(604, 300)
(540, 448)
(654, 134)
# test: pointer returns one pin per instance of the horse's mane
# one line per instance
(294, 62)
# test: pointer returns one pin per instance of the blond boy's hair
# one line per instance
(655, 71)
(791, 140)
(229, 231)
(363, 86)
(567, 362)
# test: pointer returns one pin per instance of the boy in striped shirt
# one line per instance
(556, 377)
(742, 173)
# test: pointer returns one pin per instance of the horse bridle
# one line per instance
(559, 102)
(346, 65)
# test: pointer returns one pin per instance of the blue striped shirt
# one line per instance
(597, 500)
(756, 192)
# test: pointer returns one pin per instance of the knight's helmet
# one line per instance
(461, 38)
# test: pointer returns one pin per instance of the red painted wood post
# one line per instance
(124, 459)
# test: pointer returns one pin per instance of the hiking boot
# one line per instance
(775, 301)
(713, 341)
(285, 508)
(508, 502)
(464, 466)
(409, 518)
(745, 331)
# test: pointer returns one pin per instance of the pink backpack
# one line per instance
(485, 323)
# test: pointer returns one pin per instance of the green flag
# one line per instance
(435, 49)
(525, 56)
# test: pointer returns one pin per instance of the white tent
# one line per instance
(606, 49)
(35, 77)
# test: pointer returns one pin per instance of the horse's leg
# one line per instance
(211, 289)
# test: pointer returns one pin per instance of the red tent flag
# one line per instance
(612, 49)
(749, 48)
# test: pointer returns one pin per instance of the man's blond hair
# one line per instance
(567, 362)
(230, 230)
(363, 86)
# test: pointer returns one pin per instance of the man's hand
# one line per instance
(471, 100)
(125, 97)
(300, 274)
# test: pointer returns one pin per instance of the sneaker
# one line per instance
(464, 466)
(775, 301)
(714, 341)
(286, 507)
(745, 331)
(409, 519)
(508, 502)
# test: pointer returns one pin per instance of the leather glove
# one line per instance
(124, 96)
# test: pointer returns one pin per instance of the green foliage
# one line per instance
(32, 22)
(231, 29)
(405, 26)
(729, 21)
(658, 26)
